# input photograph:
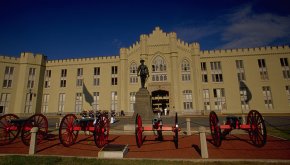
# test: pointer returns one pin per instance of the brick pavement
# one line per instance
(234, 147)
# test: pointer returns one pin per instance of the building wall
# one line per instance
(157, 45)
(250, 58)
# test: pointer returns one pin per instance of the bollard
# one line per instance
(203, 144)
(244, 119)
(33, 140)
(188, 126)
(60, 119)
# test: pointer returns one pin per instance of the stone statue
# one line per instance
(143, 72)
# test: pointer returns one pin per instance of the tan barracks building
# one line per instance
(183, 78)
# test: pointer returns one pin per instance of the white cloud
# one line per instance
(193, 31)
(241, 27)
(248, 29)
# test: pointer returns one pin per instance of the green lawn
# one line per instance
(51, 160)
(285, 134)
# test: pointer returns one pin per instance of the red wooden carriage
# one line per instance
(11, 126)
(255, 126)
(157, 126)
(71, 125)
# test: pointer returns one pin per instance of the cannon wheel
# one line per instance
(37, 120)
(215, 129)
(67, 134)
(257, 132)
(102, 129)
(138, 131)
(175, 137)
(6, 135)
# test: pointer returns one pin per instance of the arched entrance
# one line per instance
(160, 100)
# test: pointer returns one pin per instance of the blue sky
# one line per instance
(87, 28)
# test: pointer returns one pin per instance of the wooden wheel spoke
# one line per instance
(40, 121)
(4, 124)
(12, 133)
(258, 131)
(67, 135)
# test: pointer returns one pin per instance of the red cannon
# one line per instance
(157, 126)
(70, 126)
(11, 125)
(255, 127)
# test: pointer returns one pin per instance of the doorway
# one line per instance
(160, 100)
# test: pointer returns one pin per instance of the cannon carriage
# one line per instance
(97, 123)
(254, 125)
(11, 126)
(157, 127)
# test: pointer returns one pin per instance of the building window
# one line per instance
(114, 69)
(63, 73)
(31, 76)
(285, 68)
(114, 101)
(114, 76)
(61, 101)
(187, 100)
(132, 100)
(96, 96)
(47, 79)
(63, 78)
(4, 103)
(206, 99)
(159, 69)
(79, 72)
(240, 70)
(28, 103)
(79, 77)
(185, 70)
(267, 97)
(216, 72)
(203, 72)
(97, 72)
(79, 82)
(96, 81)
(263, 69)
(45, 103)
(219, 99)
(79, 103)
(244, 98)
(114, 81)
(133, 73)
(8, 77)
(288, 93)
(62, 83)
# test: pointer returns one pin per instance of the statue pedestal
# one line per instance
(143, 105)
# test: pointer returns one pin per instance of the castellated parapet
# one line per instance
(143, 37)
(133, 48)
(172, 35)
(9, 59)
(84, 60)
(123, 53)
(246, 51)
(30, 58)
(195, 47)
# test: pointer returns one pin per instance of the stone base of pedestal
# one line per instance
(113, 151)
(143, 105)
